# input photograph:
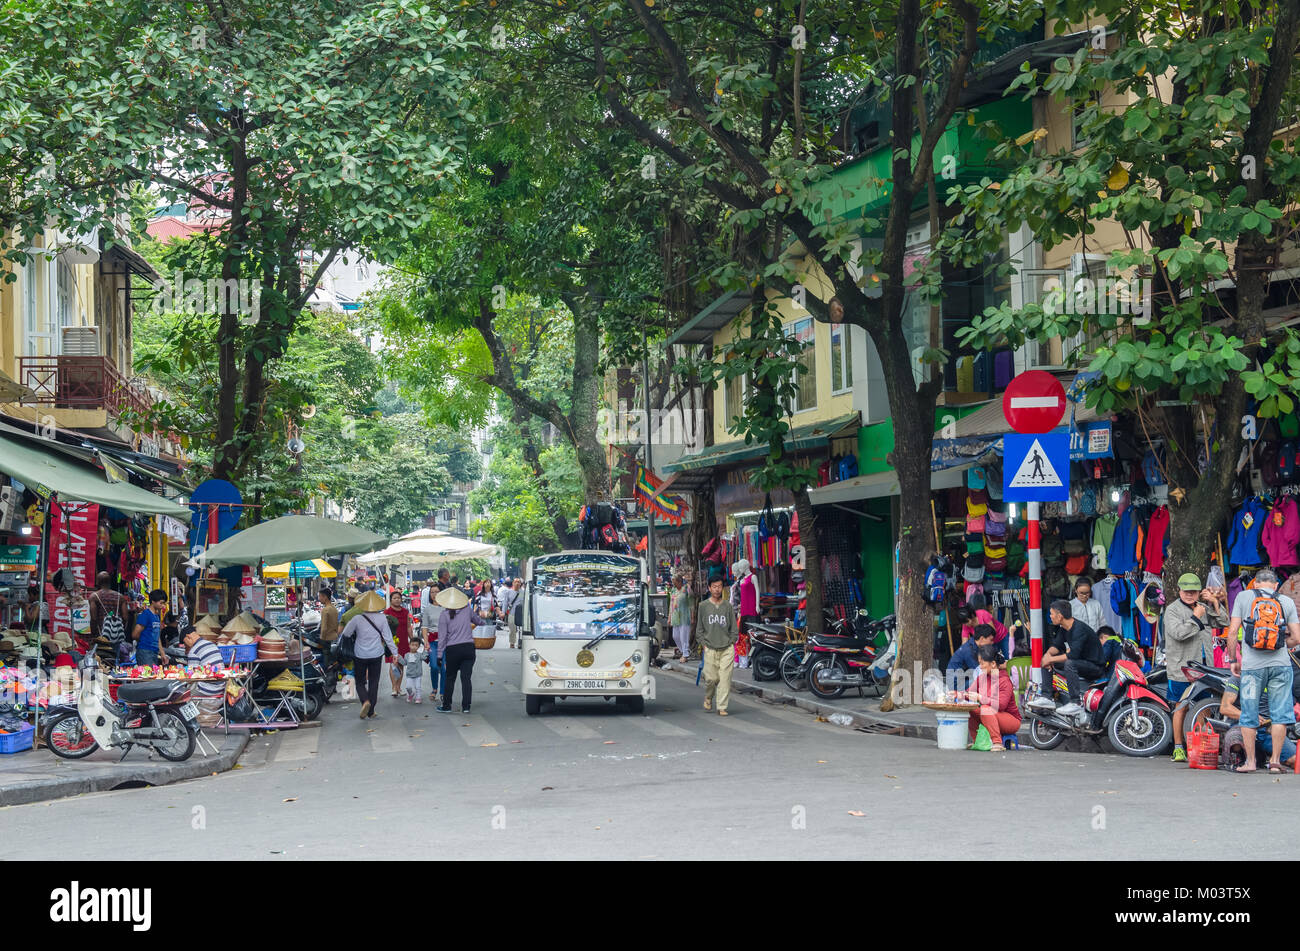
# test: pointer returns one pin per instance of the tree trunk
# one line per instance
(584, 421)
(913, 417)
(1194, 526)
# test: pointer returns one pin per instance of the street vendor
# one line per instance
(201, 652)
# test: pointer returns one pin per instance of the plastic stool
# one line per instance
(1011, 742)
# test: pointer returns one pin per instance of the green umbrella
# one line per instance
(290, 538)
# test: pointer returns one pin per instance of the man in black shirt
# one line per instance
(1076, 649)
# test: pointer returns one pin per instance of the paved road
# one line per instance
(589, 782)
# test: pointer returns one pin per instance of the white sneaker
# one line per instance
(1069, 710)
(1042, 703)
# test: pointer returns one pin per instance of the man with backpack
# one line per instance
(1266, 624)
(107, 611)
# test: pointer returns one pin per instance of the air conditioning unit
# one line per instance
(81, 342)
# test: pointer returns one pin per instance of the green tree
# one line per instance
(750, 102)
(539, 246)
(1205, 189)
(397, 489)
(309, 125)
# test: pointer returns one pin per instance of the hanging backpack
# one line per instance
(113, 629)
(1266, 622)
(936, 583)
(766, 521)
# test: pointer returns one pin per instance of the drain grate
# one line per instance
(880, 729)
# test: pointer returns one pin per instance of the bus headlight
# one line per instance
(533, 657)
(636, 658)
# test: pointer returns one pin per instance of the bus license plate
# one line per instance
(584, 685)
(189, 711)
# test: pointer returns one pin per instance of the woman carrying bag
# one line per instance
(456, 646)
(370, 639)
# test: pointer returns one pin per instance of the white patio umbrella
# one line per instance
(427, 548)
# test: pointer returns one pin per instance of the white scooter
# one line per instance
(158, 715)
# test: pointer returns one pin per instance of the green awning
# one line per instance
(800, 437)
(34, 466)
(291, 538)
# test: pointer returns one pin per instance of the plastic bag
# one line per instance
(347, 689)
(933, 689)
(983, 742)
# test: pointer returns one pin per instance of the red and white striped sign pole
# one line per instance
(1034, 402)
(1035, 594)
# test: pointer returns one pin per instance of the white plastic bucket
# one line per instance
(953, 730)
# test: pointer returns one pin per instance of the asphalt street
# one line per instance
(587, 781)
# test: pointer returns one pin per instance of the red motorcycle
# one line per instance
(1133, 717)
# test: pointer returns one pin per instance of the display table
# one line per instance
(223, 677)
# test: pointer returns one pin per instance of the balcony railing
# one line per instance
(82, 383)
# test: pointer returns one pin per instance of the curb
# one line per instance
(144, 771)
(877, 723)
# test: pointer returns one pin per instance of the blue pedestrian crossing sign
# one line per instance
(1036, 468)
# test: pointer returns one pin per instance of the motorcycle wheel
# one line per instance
(182, 746)
(1044, 737)
(818, 667)
(1150, 735)
(67, 737)
(791, 667)
(767, 665)
(1201, 711)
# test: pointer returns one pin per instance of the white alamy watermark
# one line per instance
(1116, 296)
(214, 295)
(78, 904)
(671, 427)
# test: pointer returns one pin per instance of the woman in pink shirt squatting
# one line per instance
(996, 695)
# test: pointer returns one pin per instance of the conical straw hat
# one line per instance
(451, 598)
(371, 601)
(241, 624)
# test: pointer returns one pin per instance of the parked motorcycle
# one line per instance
(791, 666)
(157, 715)
(1133, 717)
(767, 644)
(837, 662)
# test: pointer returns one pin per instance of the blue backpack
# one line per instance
(848, 467)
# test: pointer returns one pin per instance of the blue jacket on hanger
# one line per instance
(1247, 525)
(1122, 557)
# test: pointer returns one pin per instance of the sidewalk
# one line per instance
(864, 712)
(37, 774)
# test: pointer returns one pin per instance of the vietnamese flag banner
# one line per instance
(74, 530)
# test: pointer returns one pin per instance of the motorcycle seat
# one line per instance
(841, 643)
(145, 692)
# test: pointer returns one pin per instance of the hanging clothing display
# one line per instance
(1157, 540)
(1247, 526)
(1103, 533)
(1122, 556)
(1281, 532)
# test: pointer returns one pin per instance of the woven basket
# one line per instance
(485, 643)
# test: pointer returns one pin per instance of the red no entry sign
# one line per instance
(1034, 402)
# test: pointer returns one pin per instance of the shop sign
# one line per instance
(173, 528)
(1091, 441)
(74, 530)
(19, 557)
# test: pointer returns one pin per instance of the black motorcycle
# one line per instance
(835, 662)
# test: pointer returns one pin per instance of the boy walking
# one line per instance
(717, 632)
